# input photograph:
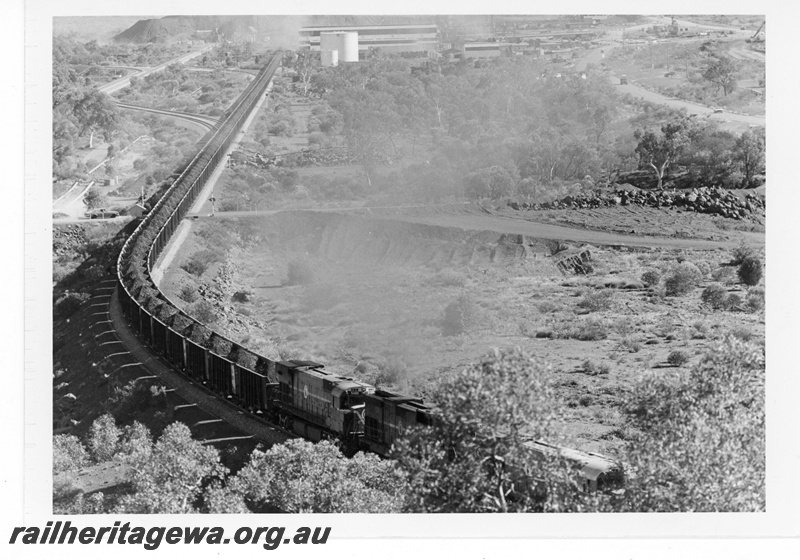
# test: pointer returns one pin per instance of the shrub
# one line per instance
(715, 296)
(755, 299)
(299, 273)
(130, 401)
(459, 316)
(682, 280)
(703, 267)
(204, 312)
(651, 278)
(588, 329)
(741, 253)
(69, 304)
(591, 368)
(700, 330)
(677, 358)
(392, 370)
(200, 261)
(742, 334)
(630, 345)
(750, 271)
(548, 307)
(241, 297)
(188, 294)
(733, 302)
(723, 274)
(597, 301)
(318, 139)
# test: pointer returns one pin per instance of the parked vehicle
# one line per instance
(101, 213)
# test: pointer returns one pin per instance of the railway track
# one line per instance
(125, 312)
(209, 123)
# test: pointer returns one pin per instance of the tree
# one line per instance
(491, 182)
(64, 134)
(473, 458)
(301, 477)
(305, 67)
(711, 155)
(94, 199)
(368, 122)
(95, 111)
(658, 150)
(171, 478)
(722, 72)
(68, 453)
(699, 435)
(748, 152)
(104, 438)
(136, 442)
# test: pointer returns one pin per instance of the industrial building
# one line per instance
(386, 38)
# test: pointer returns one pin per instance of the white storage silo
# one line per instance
(329, 58)
(348, 46)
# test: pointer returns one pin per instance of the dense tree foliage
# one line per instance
(542, 129)
(474, 457)
(700, 439)
(749, 152)
(78, 108)
(170, 475)
(302, 477)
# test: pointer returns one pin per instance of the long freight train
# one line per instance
(298, 395)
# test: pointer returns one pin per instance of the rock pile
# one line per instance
(705, 200)
(66, 239)
(577, 263)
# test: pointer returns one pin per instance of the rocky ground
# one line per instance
(739, 205)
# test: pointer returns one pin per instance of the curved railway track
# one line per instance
(209, 123)
(142, 249)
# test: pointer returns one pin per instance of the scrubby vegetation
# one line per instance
(677, 358)
(682, 279)
(750, 271)
(459, 316)
(478, 133)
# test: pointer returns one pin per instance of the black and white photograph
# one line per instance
(484, 261)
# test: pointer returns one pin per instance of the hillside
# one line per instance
(97, 28)
(181, 27)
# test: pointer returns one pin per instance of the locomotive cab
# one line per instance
(348, 408)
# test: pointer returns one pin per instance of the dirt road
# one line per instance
(730, 121)
(472, 218)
